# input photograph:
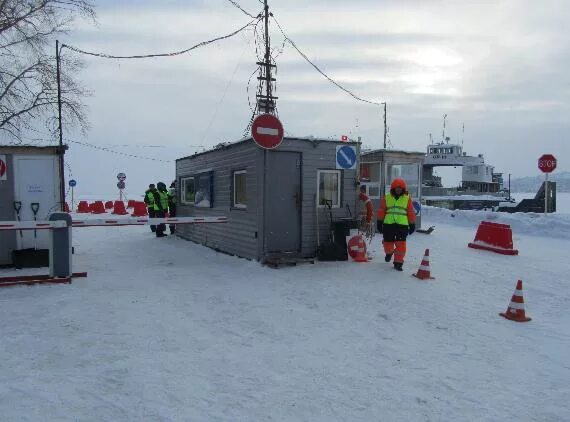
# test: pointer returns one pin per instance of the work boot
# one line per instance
(398, 266)
(388, 257)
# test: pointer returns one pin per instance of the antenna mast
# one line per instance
(385, 126)
(443, 134)
(266, 101)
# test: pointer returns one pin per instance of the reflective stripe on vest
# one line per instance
(397, 210)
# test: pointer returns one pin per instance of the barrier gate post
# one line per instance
(60, 251)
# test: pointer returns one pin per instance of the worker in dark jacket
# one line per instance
(160, 207)
(396, 220)
(172, 205)
(149, 201)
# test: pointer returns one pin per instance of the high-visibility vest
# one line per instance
(397, 210)
(149, 199)
(162, 205)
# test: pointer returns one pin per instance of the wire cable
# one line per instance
(290, 41)
(172, 54)
(86, 144)
(236, 4)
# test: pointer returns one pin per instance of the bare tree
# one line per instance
(28, 83)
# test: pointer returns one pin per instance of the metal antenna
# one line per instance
(266, 102)
(443, 134)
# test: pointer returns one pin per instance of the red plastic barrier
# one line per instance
(119, 208)
(97, 207)
(139, 209)
(108, 205)
(83, 207)
(66, 208)
(131, 203)
(494, 237)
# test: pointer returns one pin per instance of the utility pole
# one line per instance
(61, 150)
(385, 126)
(266, 101)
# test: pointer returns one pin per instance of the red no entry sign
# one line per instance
(3, 167)
(267, 131)
(547, 163)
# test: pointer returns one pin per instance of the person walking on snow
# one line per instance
(160, 207)
(149, 201)
(396, 220)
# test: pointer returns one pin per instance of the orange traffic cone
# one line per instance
(515, 311)
(424, 272)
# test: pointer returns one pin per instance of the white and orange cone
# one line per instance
(424, 272)
(515, 311)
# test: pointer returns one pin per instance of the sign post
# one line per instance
(72, 184)
(546, 164)
(121, 177)
(267, 131)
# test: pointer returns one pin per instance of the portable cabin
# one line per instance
(274, 199)
(30, 186)
(379, 167)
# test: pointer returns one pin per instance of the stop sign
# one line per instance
(547, 163)
(267, 131)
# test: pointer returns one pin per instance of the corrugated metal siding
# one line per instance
(238, 236)
(321, 156)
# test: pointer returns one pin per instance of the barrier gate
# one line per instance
(60, 225)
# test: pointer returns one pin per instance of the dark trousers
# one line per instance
(161, 227)
(172, 213)
(151, 215)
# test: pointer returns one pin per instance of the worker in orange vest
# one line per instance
(396, 220)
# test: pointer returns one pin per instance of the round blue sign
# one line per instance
(417, 207)
(72, 183)
(346, 157)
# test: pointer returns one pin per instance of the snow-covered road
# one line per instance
(166, 330)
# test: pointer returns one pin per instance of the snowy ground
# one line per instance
(166, 330)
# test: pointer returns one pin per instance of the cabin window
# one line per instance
(409, 172)
(197, 190)
(328, 188)
(240, 189)
(370, 172)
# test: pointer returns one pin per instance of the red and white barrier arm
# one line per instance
(30, 225)
(132, 221)
(129, 221)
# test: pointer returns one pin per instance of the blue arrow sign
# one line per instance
(72, 183)
(345, 157)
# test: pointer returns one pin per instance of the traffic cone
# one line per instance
(108, 205)
(119, 208)
(139, 209)
(97, 207)
(424, 272)
(515, 311)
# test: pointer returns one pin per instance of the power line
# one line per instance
(338, 85)
(236, 4)
(172, 54)
(86, 144)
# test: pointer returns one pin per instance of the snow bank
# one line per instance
(552, 225)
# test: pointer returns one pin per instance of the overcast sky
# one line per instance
(501, 67)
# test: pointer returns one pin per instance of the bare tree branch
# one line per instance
(28, 84)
